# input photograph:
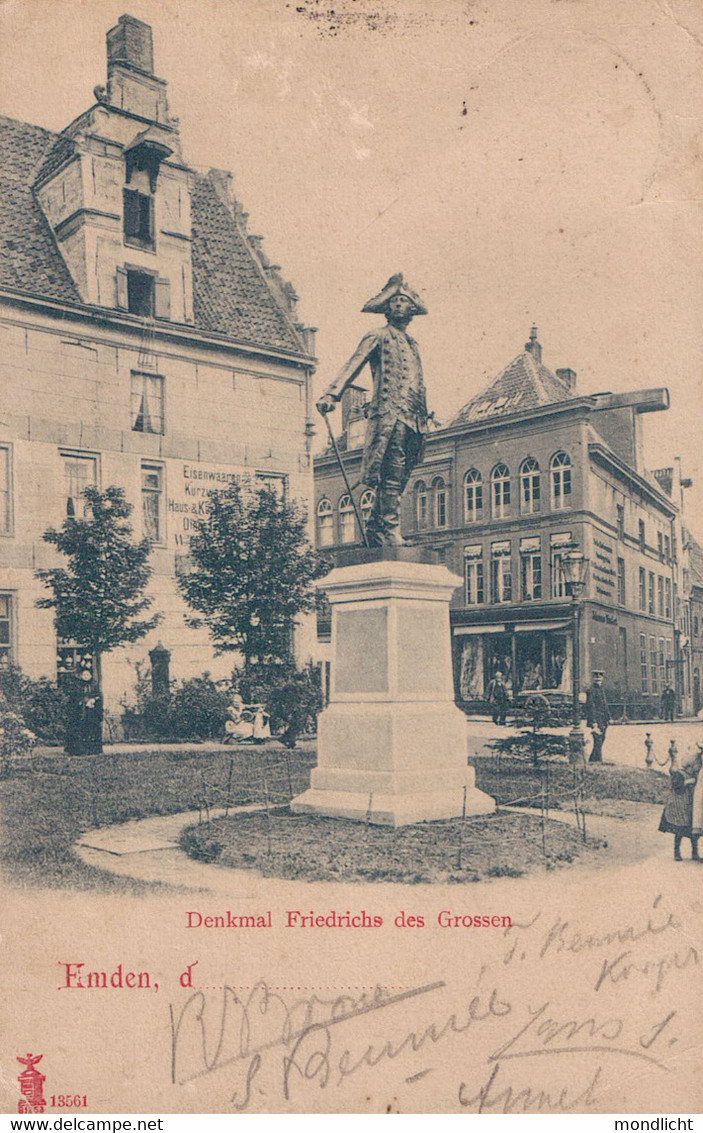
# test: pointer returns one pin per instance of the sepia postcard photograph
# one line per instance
(351, 559)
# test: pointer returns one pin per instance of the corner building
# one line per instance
(146, 341)
(527, 469)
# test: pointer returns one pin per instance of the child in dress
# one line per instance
(677, 816)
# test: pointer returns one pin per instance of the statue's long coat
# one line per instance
(398, 395)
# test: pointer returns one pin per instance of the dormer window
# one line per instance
(139, 228)
(143, 292)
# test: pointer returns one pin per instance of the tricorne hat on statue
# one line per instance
(396, 286)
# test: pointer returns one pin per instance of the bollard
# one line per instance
(649, 744)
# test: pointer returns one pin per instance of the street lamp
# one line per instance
(574, 565)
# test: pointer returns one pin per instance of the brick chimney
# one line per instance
(568, 376)
(534, 347)
(130, 43)
(131, 83)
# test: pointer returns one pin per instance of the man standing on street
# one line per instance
(597, 715)
(498, 698)
(668, 703)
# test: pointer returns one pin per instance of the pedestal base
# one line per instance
(392, 745)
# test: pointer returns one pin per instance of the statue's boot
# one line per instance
(383, 528)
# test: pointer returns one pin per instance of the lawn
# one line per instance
(312, 848)
(47, 802)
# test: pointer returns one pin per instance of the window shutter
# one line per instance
(131, 212)
(122, 298)
(146, 217)
(162, 298)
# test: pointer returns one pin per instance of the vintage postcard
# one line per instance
(351, 557)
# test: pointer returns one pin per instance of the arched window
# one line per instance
(325, 524)
(500, 483)
(439, 498)
(347, 532)
(421, 505)
(366, 504)
(529, 486)
(561, 480)
(473, 495)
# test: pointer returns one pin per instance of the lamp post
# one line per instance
(574, 565)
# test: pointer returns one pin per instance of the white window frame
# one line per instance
(148, 466)
(7, 648)
(500, 557)
(87, 458)
(141, 399)
(422, 505)
(347, 520)
(562, 484)
(325, 511)
(500, 491)
(473, 492)
(530, 486)
(368, 499)
(559, 542)
(531, 565)
(7, 510)
(474, 576)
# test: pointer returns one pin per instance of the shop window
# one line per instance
(473, 575)
(147, 403)
(439, 501)
(561, 481)
(138, 218)
(501, 573)
(622, 588)
(347, 528)
(643, 663)
(368, 498)
(325, 524)
(473, 495)
(530, 569)
(421, 506)
(78, 473)
(6, 630)
(643, 589)
(152, 502)
(500, 491)
(529, 486)
(5, 490)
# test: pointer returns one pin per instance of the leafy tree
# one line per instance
(99, 596)
(254, 571)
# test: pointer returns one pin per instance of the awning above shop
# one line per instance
(535, 627)
(519, 627)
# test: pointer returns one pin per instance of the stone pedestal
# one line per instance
(392, 745)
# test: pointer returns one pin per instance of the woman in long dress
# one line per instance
(677, 816)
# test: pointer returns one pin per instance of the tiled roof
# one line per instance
(230, 294)
(29, 257)
(524, 384)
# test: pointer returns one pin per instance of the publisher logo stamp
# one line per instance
(31, 1083)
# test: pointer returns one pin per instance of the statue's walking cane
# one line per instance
(346, 479)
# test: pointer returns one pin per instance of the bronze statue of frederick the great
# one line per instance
(397, 413)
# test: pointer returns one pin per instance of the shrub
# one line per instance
(41, 704)
(195, 709)
(292, 697)
(15, 737)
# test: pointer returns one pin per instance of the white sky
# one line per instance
(568, 194)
